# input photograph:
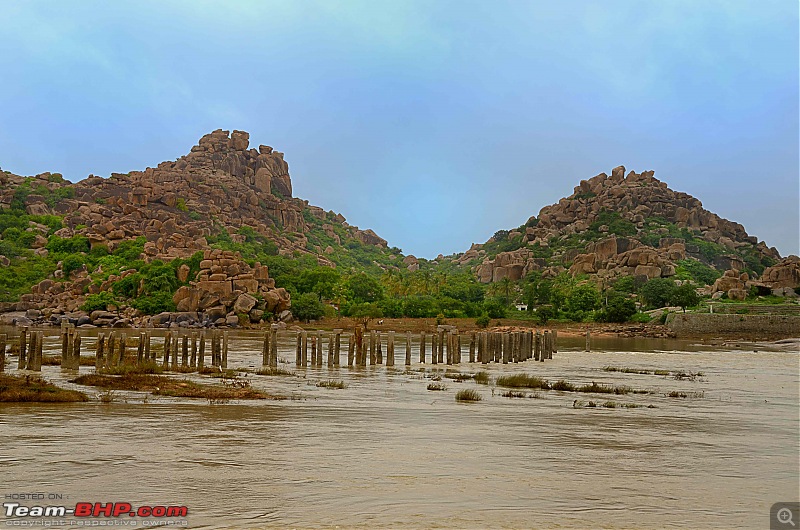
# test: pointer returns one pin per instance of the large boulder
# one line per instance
(244, 303)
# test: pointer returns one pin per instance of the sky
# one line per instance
(433, 122)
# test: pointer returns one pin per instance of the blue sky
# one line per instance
(434, 123)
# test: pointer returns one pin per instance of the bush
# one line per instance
(307, 307)
(131, 249)
(127, 286)
(98, 302)
(155, 303)
(482, 321)
(468, 394)
(545, 313)
(641, 318)
(72, 245)
(72, 263)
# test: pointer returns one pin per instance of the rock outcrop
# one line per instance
(222, 189)
(645, 207)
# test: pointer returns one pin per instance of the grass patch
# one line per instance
(468, 394)
(529, 381)
(513, 394)
(676, 394)
(33, 389)
(437, 386)
(680, 375)
(330, 383)
(55, 360)
(273, 371)
(522, 381)
(166, 386)
(458, 376)
(687, 376)
(132, 369)
(481, 377)
(608, 405)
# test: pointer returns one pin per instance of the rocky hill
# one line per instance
(216, 238)
(223, 196)
(631, 225)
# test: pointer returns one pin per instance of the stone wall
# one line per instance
(750, 326)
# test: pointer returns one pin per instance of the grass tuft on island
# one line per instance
(267, 370)
(33, 389)
(530, 381)
(330, 383)
(679, 375)
(167, 386)
(55, 360)
(468, 394)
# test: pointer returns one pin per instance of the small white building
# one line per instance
(521, 307)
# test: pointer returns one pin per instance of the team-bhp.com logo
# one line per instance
(94, 509)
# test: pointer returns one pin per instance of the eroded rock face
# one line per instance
(785, 273)
(228, 282)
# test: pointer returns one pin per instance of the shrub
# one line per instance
(153, 304)
(98, 302)
(131, 249)
(72, 245)
(180, 204)
(482, 321)
(72, 263)
(468, 394)
(545, 313)
(641, 318)
(127, 286)
(482, 377)
(307, 307)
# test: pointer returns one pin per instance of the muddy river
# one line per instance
(386, 452)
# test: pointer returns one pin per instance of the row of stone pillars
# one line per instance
(446, 347)
(29, 348)
(312, 343)
(514, 347)
(188, 351)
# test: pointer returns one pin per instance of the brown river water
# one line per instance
(386, 452)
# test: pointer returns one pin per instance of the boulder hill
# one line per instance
(224, 191)
(634, 225)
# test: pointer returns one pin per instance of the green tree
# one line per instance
(307, 307)
(420, 307)
(583, 297)
(619, 309)
(320, 280)
(494, 308)
(545, 313)
(364, 289)
(657, 292)
(685, 296)
(364, 313)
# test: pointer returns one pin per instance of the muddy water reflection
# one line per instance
(385, 452)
